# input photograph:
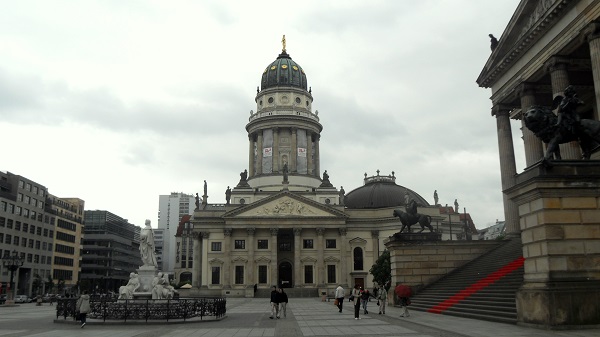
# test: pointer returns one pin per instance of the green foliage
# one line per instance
(382, 270)
(49, 283)
(36, 284)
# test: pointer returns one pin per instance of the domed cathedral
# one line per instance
(285, 223)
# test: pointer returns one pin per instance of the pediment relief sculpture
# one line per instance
(286, 207)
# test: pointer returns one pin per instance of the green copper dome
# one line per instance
(283, 72)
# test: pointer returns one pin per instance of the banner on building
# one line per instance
(268, 152)
(301, 152)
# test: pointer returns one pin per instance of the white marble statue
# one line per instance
(126, 292)
(147, 246)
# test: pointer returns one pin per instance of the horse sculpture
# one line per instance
(408, 220)
(545, 125)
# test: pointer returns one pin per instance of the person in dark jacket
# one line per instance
(364, 299)
(274, 303)
(283, 301)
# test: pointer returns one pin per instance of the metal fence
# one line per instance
(123, 310)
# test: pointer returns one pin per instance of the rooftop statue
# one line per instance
(147, 246)
(567, 127)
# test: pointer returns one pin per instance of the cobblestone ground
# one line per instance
(250, 317)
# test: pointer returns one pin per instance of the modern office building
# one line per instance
(110, 251)
(66, 260)
(27, 228)
(171, 208)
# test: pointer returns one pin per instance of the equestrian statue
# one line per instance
(411, 217)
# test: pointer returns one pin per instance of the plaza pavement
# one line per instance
(250, 317)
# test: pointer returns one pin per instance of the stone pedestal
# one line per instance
(146, 275)
(559, 217)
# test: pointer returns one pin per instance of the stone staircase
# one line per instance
(483, 289)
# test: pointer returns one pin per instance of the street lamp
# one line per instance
(13, 263)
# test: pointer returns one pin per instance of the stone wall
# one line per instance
(419, 264)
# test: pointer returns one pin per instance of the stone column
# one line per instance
(273, 267)
(227, 257)
(309, 154)
(375, 238)
(251, 156)
(534, 150)
(205, 236)
(276, 150)
(508, 170)
(294, 152)
(298, 280)
(592, 33)
(259, 145)
(196, 260)
(317, 156)
(250, 272)
(559, 76)
(344, 257)
(320, 257)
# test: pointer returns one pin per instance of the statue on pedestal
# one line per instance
(147, 246)
(126, 291)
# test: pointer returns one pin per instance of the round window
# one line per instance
(270, 99)
(242, 201)
(298, 100)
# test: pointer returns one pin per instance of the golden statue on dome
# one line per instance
(283, 43)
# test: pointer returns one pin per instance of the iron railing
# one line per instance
(123, 310)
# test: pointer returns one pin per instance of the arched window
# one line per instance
(358, 258)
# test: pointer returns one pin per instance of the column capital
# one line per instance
(274, 231)
(294, 130)
(195, 235)
(375, 233)
(205, 235)
(557, 63)
(501, 109)
(297, 231)
(227, 231)
(591, 31)
(251, 231)
(320, 231)
(343, 231)
(526, 88)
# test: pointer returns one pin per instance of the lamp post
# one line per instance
(13, 262)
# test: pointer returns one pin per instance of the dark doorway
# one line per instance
(285, 275)
(359, 281)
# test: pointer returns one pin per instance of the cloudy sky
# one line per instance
(118, 102)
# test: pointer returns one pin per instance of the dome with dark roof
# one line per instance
(381, 192)
(283, 72)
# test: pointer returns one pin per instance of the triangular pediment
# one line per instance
(358, 241)
(530, 21)
(215, 261)
(285, 204)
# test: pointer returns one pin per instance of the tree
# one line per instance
(382, 270)
(36, 284)
(49, 284)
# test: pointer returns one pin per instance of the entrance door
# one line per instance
(285, 275)
(360, 282)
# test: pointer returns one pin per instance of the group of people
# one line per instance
(279, 301)
(360, 298)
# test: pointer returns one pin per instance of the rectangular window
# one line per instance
(23, 242)
(26, 212)
(8, 239)
(37, 244)
(331, 273)
(9, 223)
(216, 247)
(3, 205)
(308, 274)
(36, 258)
(307, 244)
(330, 243)
(17, 225)
(18, 210)
(25, 227)
(30, 243)
(263, 244)
(240, 244)
(216, 275)
(32, 229)
(16, 240)
(45, 232)
(2, 222)
(29, 258)
(262, 274)
(1, 238)
(38, 231)
(239, 274)
(285, 247)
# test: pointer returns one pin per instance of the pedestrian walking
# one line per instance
(274, 303)
(403, 292)
(83, 307)
(381, 299)
(364, 299)
(356, 299)
(283, 301)
(340, 294)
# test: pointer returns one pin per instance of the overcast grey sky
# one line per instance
(118, 102)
